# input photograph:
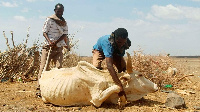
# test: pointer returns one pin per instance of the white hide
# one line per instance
(86, 85)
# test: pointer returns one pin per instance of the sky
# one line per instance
(154, 26)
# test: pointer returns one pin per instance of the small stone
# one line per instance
(175, 101)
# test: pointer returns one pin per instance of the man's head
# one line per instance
(121, 36)
(59, 9)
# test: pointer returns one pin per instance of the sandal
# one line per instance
(38, 93)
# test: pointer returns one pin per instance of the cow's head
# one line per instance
(135, 84)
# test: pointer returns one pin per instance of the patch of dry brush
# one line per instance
(22, 62)
(18, 61)
(158, 69)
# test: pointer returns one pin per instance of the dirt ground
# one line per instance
(19, 96)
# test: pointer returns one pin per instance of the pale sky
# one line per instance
(156, 26)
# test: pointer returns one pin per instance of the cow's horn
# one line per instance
(129, 66)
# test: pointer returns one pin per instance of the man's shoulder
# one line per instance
(49, 19)
(105, 36)
(103, 39)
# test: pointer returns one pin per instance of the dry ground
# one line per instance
(20, 96)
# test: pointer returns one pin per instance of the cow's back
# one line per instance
(71, 86)
(64, 87)
(85, 85)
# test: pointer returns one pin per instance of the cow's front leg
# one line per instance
(102, 94)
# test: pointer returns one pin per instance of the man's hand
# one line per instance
(52, 43)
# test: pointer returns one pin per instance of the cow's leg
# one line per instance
(100, 97)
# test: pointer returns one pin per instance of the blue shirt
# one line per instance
(103, 44)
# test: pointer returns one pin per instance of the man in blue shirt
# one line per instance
(112, 48)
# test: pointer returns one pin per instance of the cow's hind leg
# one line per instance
(99, 98)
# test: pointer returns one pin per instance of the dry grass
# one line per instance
(20, 61)
(156, 68)
(159, 69)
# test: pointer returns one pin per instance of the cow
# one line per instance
(87, 85)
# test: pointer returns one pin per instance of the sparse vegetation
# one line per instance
(156, 68)
(19, 61)
(22, 62)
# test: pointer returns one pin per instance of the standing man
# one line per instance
(55, 31)
(112, 48)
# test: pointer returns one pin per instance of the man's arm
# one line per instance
(109, 62)
(61, 38)
(66, 39)
(47, 38)
(64, 36)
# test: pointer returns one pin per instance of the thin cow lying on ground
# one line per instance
(86, 85)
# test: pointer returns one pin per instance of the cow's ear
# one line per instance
(129, 66)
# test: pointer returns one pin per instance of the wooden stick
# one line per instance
(47, 61)
(185, 77)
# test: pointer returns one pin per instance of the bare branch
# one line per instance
(6, 40)
(12, 39)
(27, 36)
